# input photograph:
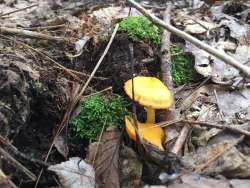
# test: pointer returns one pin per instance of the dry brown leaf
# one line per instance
(105, 161)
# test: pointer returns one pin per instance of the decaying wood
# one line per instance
(220, 55)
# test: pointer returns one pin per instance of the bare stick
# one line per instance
(58, 65)
(14, 150)
(5, 182)
(17, 164)
(31, 34)
(207, 124)
(181, 140)
(222, 56)
(225, 127)
(96, 93)
(18, 10)
(165, 51)
(208, 163)
(77, 99)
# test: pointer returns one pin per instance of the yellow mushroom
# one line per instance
(151, 93)
(148, 131)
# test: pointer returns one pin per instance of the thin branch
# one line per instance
(58, 65)
(31, 34)
(5, 181)
(17, 164)
(220, 55)
(218, 126)
(216, 157)
(16, 152)
(165, 51)
(18, 10)
(207, 124)
(96, 93)
(178, 145)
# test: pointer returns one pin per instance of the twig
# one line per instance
(17, 164)
(31, 34)
(181, 140)
(208, 163)
(48, 27)
(165, 51)
(222, 56)
(223, 127)
(207, 124)
(18, 10)
(14, 150)
(68, 71)
(77, 98)
(98, 92)
(153, 7)
(4, 181)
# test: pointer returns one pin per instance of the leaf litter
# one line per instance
(224, 97)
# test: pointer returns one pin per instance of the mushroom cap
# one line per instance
(148, 131)
(150, 92)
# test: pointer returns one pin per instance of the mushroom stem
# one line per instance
(150, 115)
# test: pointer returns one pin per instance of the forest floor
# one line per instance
(63, 69)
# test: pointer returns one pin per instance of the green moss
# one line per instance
(140, 27)
(97, 112)
(182, 66)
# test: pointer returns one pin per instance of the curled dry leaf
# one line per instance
(75, 173)
(61, 146)
(104, 158)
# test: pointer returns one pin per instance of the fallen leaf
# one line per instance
(61, 146)
(75, 173)
(105, 158)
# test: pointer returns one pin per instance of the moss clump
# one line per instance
(140, 27)
(97, 112)
(182, 66)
